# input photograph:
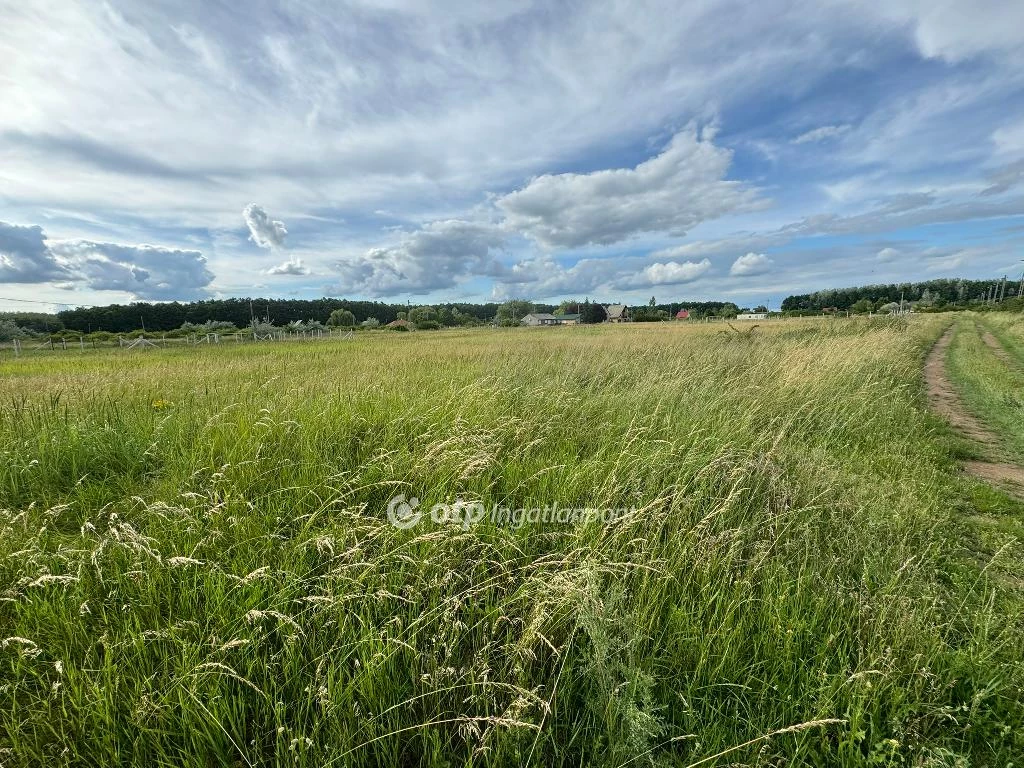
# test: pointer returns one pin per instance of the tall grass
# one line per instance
(197, 568)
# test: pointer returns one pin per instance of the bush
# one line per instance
(9, 330)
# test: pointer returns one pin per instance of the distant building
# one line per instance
(683, 314)
(616, 313)
(569, 319)
(752, 316)
(404, 324)
(539, 318)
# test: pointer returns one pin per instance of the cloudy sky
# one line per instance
(447, 150)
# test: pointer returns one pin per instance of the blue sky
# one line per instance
(433, 151)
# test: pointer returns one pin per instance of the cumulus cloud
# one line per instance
(25, 256)
(821, 134)
(292, 266)
(750, 264)
(887, 254)
(671, 192)
(672, 272)
(438, 255)
(150, 272)
(264, 231)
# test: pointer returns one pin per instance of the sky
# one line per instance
(455, 151)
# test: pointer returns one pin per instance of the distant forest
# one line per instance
(123, 318)
(937, 293)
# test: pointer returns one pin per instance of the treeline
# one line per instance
(123, 318)
(697, 310)
(936, 293)
(34, 322)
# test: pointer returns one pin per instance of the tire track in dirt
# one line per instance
(946, 402)
(997, 349)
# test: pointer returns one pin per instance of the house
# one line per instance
(570, 319)
(683, 314)
(538, 318)
(616, 313)
(401, 325)
(752, 316)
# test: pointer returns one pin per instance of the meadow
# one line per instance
(197, 566)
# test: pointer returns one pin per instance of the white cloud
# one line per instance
(672, 192)
(750, 264)
(439, 255)
(821, 134)
(673, 272)
(264, 231)
(957, 29)
(292, 266)
(888, 254)
(150, 272)
(178, 113)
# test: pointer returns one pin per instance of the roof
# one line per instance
(570, 316)
(398, 323)
(540, 316)
(615, 310)
(683, 313)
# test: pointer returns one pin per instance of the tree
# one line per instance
(861, 307)
(514, 310)
(761, 308)
(419, 315)
(592, 313)
(370, 323)
(10, 331)
(568, 307)
(341, 317)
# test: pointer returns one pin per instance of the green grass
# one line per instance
(992, 388)
(195, 555)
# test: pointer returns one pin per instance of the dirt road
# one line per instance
(947, 403)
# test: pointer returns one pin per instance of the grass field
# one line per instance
(198, 569)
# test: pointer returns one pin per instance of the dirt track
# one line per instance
(997, 349)
(947, 403)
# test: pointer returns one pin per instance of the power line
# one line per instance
(52, 303)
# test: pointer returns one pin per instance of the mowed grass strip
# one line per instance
(992, 387)
(197, 567)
